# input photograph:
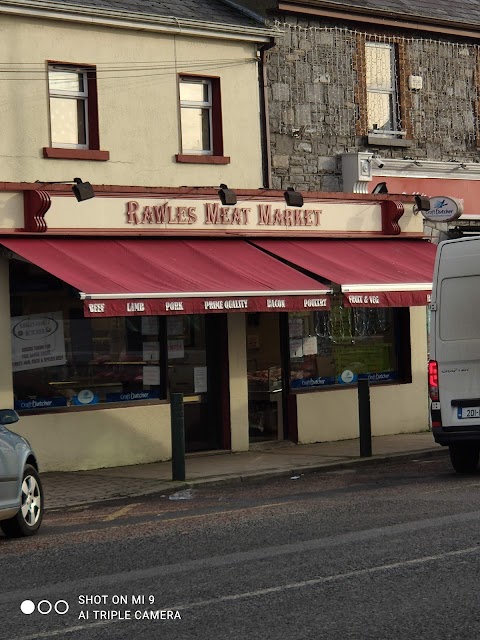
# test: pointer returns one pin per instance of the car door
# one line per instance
(9, 469)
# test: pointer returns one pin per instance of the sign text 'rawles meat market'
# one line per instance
(212, 214)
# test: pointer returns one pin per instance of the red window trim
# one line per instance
(92, 111)
(217, 127)
(201, 159)
(75, 154)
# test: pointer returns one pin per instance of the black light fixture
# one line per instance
(422, 203)
(293, 198)
(227, 196)
(381, 187)
(82, 190)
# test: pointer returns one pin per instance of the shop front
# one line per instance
(262, 316)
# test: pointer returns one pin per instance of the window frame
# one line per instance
(401, 138)
(393, 91)
(90, 150)
(214, 104)
(198, 104)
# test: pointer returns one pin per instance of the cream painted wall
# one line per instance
(97, 439)
(138, 110)
(333, 415)
(237, 355)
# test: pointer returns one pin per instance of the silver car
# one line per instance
(21, 495)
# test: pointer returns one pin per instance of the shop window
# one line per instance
(61, 359)
(334, 347)
(74, 131)
(201, 121)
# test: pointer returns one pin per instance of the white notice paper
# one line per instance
(151, 375)
(38, 341)
(310, 346)
(151, 351)
(150, 325)
(296, 348)
(200, 379)
(175, 349)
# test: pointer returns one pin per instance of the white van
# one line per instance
(454, 367)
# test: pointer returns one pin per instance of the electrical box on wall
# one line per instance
(356, 171)
(415, 82)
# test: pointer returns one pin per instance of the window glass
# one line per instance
(194, 91)
(68, 107)
(60, 358)
(380, 111)
(379, 66)
(336, 346)
(68, 121)
(381, 87)
(459, 308)
(187, 355)
(64, 80)
(196, 129)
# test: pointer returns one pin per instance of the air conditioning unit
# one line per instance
(356, 168)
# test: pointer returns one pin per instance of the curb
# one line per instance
(260, 476)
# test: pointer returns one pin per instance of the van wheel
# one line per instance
(464, 458)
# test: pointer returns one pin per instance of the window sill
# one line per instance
(198, 159)
(75, 154)
(388, 141)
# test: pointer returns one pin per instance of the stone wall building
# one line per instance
(400, 85)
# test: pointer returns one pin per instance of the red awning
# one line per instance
(162, 276)
(386, 273)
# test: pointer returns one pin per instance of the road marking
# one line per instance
(449, 488)
(269, 590)
(121, 512)
(239, 557)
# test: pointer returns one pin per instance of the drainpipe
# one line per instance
(264, 117)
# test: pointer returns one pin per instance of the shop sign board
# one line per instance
(186, 216)
(443, 209)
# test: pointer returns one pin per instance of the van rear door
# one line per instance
(455, 334)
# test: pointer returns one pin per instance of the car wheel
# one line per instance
(29, 518)
(464, 458)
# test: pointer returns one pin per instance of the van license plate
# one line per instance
(468, 412)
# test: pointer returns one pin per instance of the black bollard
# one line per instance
(364, 421)
(178, 436)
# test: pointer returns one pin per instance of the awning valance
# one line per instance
(370, 273)
(164, 276)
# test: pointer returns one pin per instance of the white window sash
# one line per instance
(200, 104)
(72, 95)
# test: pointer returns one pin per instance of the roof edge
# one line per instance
(49, 9)
(325, 7)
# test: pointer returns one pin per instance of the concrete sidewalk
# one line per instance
(66, 489)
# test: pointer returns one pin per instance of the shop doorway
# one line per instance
(266, 421)
(196, 350)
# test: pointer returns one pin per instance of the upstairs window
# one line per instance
(196, 108)
(201, 131)
(383, 113)
(73, 107)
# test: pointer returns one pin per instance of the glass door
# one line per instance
(265, 375)
(194, 347)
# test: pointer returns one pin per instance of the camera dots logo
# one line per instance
(45, 607)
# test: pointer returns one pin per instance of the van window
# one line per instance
(460, 308)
